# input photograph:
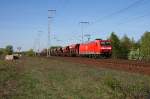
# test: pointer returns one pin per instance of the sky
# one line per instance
(24, 23)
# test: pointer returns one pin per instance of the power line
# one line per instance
(135, 18)
(120, 11)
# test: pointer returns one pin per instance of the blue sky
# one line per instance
(24, 22)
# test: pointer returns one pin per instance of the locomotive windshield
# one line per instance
(105, 43)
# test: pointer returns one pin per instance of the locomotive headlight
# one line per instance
(109, 48)
(103, 48)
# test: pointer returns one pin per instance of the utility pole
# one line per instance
(88, 36)
(50, 17)
(39, 41)
(82, 26)
(19, 50)
(35, 45)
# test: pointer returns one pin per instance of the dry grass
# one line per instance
(40, 78)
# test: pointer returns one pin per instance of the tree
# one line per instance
(135, 44)
(145, 45)
(9, 49)
(2, 50)
(116, 46)
(126, 46)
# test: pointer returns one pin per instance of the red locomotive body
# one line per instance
(96, 48)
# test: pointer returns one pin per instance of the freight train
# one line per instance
(93, 49)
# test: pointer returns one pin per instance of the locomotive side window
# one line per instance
(105, 43)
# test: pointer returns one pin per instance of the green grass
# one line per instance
(39, 78)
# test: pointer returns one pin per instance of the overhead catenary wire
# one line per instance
(118, 12)
(135, 18)
(132, 5)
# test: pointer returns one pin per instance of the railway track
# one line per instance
(117, 64)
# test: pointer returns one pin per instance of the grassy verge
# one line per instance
(39, 78)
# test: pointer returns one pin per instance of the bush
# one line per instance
(135, 54)
(30, 53)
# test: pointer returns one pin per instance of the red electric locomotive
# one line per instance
(96, 48)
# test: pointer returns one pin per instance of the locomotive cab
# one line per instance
(105, 47)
